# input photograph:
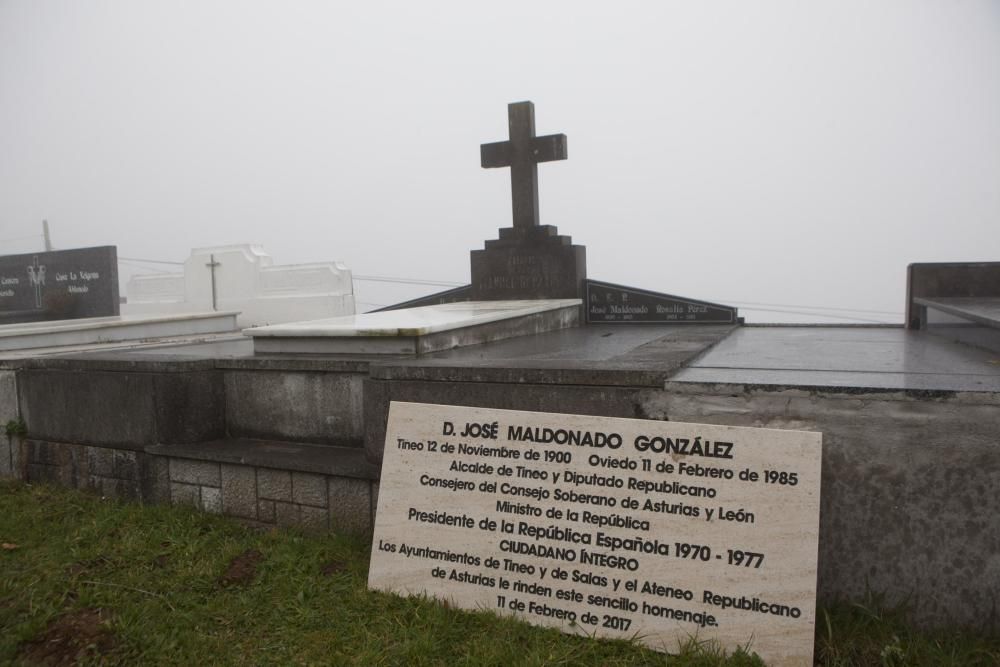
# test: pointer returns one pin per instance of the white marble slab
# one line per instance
(410, 322)
(87, 323)
(52, 334)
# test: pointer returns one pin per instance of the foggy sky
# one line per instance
(792, 153)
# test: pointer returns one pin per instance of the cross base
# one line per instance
(529, 263)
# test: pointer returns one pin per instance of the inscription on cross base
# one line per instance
(522, 153)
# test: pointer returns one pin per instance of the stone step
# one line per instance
(278, 454)
(270, 482)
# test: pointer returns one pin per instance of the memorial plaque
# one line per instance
(610, 303)
(529, 260)
(615, 527)
(59, 285)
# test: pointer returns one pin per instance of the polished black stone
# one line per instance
(610, 303)
(59, 285)
(861, 358)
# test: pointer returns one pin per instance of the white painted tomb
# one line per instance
(38, 336)
(243, 278)
(418, 330)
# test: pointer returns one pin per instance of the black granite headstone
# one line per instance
(59, 285)
(610, 303)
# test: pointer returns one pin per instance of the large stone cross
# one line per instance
(522, 153)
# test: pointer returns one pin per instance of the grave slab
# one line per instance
(418, 330)
(88, 331)
(850, 357)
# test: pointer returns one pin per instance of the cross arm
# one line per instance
(495, 154)
(548, 148)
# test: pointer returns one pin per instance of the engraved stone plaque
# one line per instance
(606, 526)
(610, 303)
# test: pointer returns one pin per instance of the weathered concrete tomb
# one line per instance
(293, 433)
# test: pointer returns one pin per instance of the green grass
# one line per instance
(155, 572)
(870, 632)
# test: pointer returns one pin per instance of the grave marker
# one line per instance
(529, 260)
(610, 303)
(606, 526)
(59, 285)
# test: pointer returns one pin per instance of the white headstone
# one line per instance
(243, 278)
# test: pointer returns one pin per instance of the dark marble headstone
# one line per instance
(59, 285)
(610, 303)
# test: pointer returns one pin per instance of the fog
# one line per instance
(783, 153)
